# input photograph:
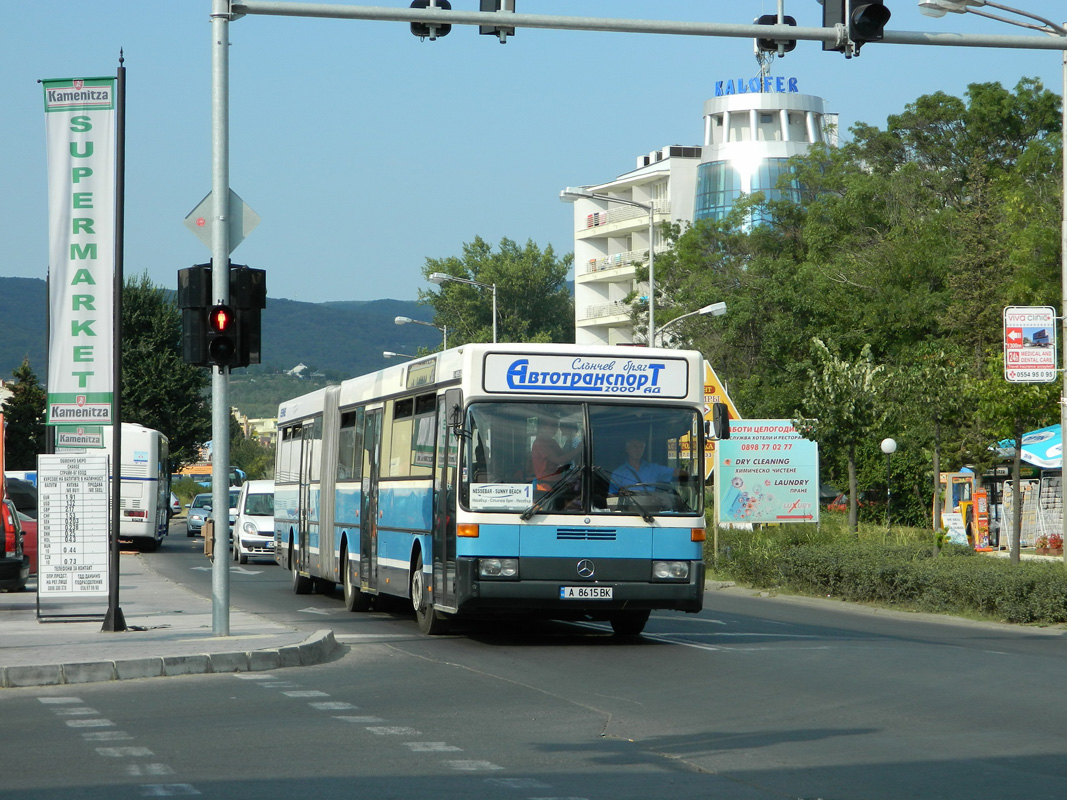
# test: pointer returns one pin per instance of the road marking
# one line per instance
(431, 747)
(333, 706)
(306, 693)
(360, 720)
(48, 701)
(518, 783)
(106, 736)
(392, 730)
(321, 611)
(147, 770)
(122, 752)
(167, 789)
(81, 711)
(89, 723)
(472, 766)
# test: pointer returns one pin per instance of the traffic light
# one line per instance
(426, 31)
(223, 337)
(867, 21)
(204, 327)
(499, 31)
(194, 299)
(771, 45)
(864, 21)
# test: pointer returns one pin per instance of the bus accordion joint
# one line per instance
(468, 530)
(697, 535)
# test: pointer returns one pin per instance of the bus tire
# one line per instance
(430, 622)
(355, 600)
(302, 584)
(629, 623)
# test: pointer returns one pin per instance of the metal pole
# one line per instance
(1063, 299)
(114, 619)
(888, 489)
(494, 313)
(651, 275)
(220, 288)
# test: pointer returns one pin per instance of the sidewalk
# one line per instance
(169, 632)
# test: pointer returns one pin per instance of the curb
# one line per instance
(316, 649)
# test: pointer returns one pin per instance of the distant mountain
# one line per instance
(339, 338)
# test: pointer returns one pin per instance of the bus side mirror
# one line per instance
(454, 410)
(720, 420)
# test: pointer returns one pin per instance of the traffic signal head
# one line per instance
(771, 45)
(222, 337)
(426, 31)
(867, 21)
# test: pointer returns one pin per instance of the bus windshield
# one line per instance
(582, 458)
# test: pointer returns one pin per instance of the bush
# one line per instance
(900, 568)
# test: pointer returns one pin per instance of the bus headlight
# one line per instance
(670, 570)
(498, 567)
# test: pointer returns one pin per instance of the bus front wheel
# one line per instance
(430, 622)
(629, 623)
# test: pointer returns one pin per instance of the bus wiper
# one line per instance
(630, 493)
(557, 487)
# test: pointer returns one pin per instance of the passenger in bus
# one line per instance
(636, 473)
(547, 457)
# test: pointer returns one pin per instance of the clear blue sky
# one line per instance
(365, 150)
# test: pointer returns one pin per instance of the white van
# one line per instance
(253, 528)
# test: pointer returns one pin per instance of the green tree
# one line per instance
(24, 414)
(159, 390)
(533, 301)
(843, 405)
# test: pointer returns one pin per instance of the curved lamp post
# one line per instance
(889, 446)
(391, 354)
(714, 310)
(572, 193)
(441, 277)
(938, 8)
(410, 321)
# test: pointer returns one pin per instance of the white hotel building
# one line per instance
(749, 135)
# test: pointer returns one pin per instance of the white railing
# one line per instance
(606, 310)
(618, 260)
(619, 213)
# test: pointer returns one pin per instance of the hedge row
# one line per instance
(912, 575)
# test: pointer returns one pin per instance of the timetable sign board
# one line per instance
(72, 525)
(1030, 344)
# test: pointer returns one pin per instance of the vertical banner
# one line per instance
(80, 140)
(714, 392)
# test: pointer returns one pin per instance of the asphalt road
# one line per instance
(755, 697)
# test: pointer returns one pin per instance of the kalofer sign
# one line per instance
(80, 139)
(765, 84)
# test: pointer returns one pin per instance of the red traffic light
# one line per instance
(220, 319)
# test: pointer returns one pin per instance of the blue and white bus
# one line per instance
(421, 481)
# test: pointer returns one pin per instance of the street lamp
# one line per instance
(714, 310)
(441, 277)
(938, 8)
(572, 193)
(410, 321)
(391, 354)
(889, 446)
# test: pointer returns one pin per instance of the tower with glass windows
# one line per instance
(751, 128)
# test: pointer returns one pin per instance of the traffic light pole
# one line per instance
(220, 291)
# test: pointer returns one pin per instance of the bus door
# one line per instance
(368, 515)
(444, 510)
(307, 456)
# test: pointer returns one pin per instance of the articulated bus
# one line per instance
(553, 480)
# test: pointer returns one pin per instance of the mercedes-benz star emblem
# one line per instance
(586, 568)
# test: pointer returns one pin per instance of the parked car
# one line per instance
(253, 530)
(14, 564)
(23, 494)
(175, 506)
(199, 510)
(29, 539)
